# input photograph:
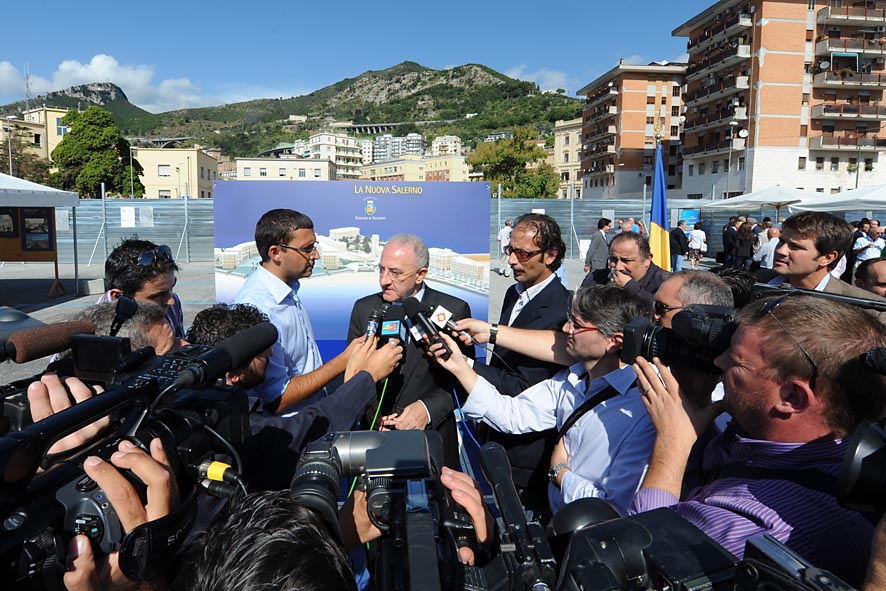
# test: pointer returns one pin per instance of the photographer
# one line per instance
(795, 386)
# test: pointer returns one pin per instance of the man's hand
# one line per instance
(384, 360)
(457, 364)
(354, 523)
(352, 348)
(50, 395)
(559, 456)
(414, 416)
(620, 278)
(87, 572)
(359, 356)
(466, 492)
(478, 329)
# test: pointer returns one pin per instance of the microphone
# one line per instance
(393, 327)
(27, 345)
(443, 318)
(414, 310)
(497, 470)
(234, 351)
(375, 318)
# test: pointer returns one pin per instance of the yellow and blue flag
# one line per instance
(659, 237)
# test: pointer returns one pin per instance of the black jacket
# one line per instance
(645, 288)
(679, 243)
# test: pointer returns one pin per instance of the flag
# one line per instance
(659, 237)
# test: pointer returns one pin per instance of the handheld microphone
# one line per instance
(234, 351)
(375, 318)
(414, 310)
(27, 345)
(443, 318)
(393, 327)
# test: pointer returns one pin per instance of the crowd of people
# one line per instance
(747, 447)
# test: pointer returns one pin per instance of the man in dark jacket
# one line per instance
(679, 246)
(630, 266)
(598, 251)
(537, 301)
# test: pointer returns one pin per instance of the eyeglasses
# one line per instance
(395, 274)
(661, 308)
(768, 309)
(147, 258)
(522, 255)
(578, 328)
(304, 249)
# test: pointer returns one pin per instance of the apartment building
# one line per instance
(40, 130)
(284, 169)
(448, 167)
(567, 157)
(624, 110)
(391, 147)
(173, 173)
(446, 144)
(339, 148)
(408, 168)
(784, 92)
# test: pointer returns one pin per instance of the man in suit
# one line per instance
(811, 244)
(679, 246)
(598, 252)
(419, 394)
(537, 301)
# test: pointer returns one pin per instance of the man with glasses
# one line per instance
(630, 266)
(796, 386)
(605, 453)
(418, 395)
(296, 375)
(145, 272)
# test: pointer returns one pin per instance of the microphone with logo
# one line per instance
(443, 319)
(420, 318)
(375, 319)
(393, 327)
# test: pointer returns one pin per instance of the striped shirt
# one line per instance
(732, 510)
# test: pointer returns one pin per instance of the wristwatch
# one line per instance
(555, 470)
(493, 333)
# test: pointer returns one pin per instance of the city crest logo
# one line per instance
(369, 206)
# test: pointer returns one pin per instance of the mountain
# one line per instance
(470, 101)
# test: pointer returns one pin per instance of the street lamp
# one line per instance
(131, 184)
(732, 125)
(8, 130)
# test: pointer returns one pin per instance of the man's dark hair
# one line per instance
(863, 271)
(835, 336)
(827, 231)
(642, 242)
(740, 282)
(609, 307)
(123, 272)
(603, 222)
(767, 219)
(265, 541)
(213, 325)
(547, 235)
(276, 227)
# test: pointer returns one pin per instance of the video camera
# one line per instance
(40, 513)
(699, 335)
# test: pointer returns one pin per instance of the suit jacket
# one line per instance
(418, 377)
(598, 252)
(679, 243)
(529, 453)
(842, 288)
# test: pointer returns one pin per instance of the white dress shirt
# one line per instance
(765, 255)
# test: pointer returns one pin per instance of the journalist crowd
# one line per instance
(727, 393)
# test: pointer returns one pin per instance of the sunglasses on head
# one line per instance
(149, 257)
(767, 310)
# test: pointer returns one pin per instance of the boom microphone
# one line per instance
(418, 316)
(27, 345)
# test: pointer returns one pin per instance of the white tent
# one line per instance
(863, 199)
(16, 192)
(776, 197)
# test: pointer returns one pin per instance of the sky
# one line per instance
(170, 55)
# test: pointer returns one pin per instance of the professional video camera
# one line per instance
(41, 512)
(700, 333)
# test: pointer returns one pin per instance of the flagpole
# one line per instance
(659, 235)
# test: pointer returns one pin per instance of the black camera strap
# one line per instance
(605, 394)
(149, 549)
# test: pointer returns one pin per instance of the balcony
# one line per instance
(847, 143)
(720, 61)
(709, 120)
(713, 148)
(848, 80)
(853, 17)
(734, 24)
(862, 46)
(601, 133)
(600, 97)
(828, 111)
(716, 90)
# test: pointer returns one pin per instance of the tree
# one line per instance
(507, 162)
(25, 163)
(94, 152)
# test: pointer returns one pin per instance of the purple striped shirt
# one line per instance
(810, 522)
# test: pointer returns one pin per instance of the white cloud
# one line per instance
(546, 79)
(636, 60)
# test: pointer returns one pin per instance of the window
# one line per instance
(676, 90)
(672, 170)
(819, 163)
(868, 164)
(213, 175)
(317, 173)
(648, 181)
(247, 171)
(801, 163)
(262, 171)
(37, 139)
(675, 131)
(164, 170)
(715, 167)
(741, 163)
(201, 172)
(281, 172)
(835, 164)
(691, 169)
(701, 167)
(675, 111)
(565, 140)
(650, 121)
(819, 189)
(301, 173)
(647, 160)
(209, 195)
(565, 157)
(650, 100)
(165, 193)
(202, 194)
(60, 128)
